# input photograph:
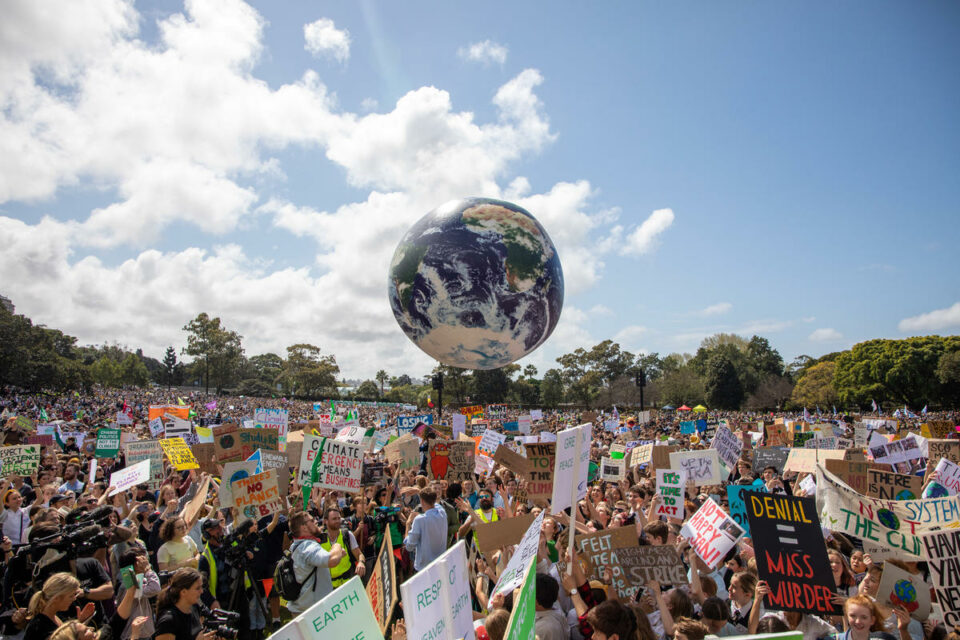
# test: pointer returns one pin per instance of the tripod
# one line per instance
(239, 603)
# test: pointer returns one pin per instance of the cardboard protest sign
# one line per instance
(437, 598)
(506, 531)
(512, 575)
(177, 428)
(641, 454)
(728, 447)
(45, 440)
(341, 464)
(893, 486)
(612, 469)
(406, 424)
(702, 467)
(790, 555)
(602, 550)
(671, 485)
(736, 494)
(404, 451)
(900, 588)
(949, 449)
(895, 524)
(250, 440)
(226, 442)
(520, 625)
(852, 472)
(344, 613)
(258, 496)
(572, 465)
(130, 476)
(775, 435)
(490, 441)
(542, 457)
(382, 586)
(507, 457)
(660, 456)
(941, 550)
(770, 457)
(944, 481)
(712, 533)
(139, 451)
(472, 410)
(278, 419)
(179, 454)
(940, 428)
(20, 460)
(108, 443)
(451, 460)
(660, 563)
(805, 460)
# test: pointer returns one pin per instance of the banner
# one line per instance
(451, 460)
(178, 411)
(702, 467)
(437, 598)
(345, 614)
(341, 464)
(129, 477)
(139, 451)
(670, 486)
(728, 447)
(258, 496)
(542, 457)
(712, 533)
(900, 588)
(572, 465)
(252, 439)
(20, 460)
(893, 486)
(896, 524)
(506, 531)
(790, 557)
(941, 550)
(108, 443)
(382, 585)
(525, 552)
(735, 502)
(406, 424)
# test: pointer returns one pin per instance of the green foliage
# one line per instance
(490, 386)
(551, 389)
(815, 388)
(254, 387)
(382, 378)
(217, 349)
(682, 385)
(307, 373)
(722, 385)
(133, 372)
(35, 357)
(368, 389)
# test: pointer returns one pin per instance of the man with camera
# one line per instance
(311, 562)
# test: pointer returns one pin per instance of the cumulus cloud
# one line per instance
(716, 309)
(934, 320)
(324, 39)
(825, 335)
(643, 239)
(629, 337)
(486, 52)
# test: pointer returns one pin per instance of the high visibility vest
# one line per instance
(493, 518)
(212, 581)
(344, 565)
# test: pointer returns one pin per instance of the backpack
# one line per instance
(285, 578)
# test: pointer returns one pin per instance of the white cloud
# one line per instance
(760, 327)
(629, 337)
(600, 310)
(485, 52)
(716, 309)
(369, 104)
(934, 320)
(808, 319)
(643, 239)
(324, 39)
(825, 335)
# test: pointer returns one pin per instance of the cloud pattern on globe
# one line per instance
(476, 283)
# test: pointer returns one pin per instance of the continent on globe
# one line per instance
(476, 283)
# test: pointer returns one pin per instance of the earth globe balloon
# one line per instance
(476, 283)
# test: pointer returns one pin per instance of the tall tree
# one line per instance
(491, 385)
(217, 349)
(529, 371)
(307, 373)
(368, 390)
(169, 366)
(382, 378)
(722, 386)
(133, 372)
(551, 388)
(815, 388)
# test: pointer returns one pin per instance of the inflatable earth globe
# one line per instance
(476, 283)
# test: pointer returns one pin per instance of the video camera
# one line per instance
(223, 623)
(387, 515)
(237, 543)
(82, 537)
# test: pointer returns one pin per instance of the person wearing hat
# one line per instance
(14, 519)
(212, 563)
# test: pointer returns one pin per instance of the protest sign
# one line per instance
(712, 533)
(478, 427)
(250, 440)
(278, 462)
(451, 460)
(512, 460)
(233, 472)
(355, 434)
(490, 441)
(258, 496)
(542, 458)
(206, 456)
(900, 588)
(506, 531)
(536, 414)
(728, 447)
(382, 586)
(20, 460)
(612, 469)
(130, 476)
(660, 456)
(341, 464)
(525, 551)
(135, 452)
(852, 473)
(496, 411)
(520, 625)
(893, 486)
(459, 424)
(226, 442)
(661, 563)
(671, 485)
(829, 442)
(735, 503)
(45, 440)
(790, 557)
(437, 598)
(404, 451)
(472, 410)
(156, 427)
(345, 613)
(572, 464)
(278, 419)
(702, 467)
(947, 476)
(940, 428)
(775, 435)
(602, 550)
(949, 449)
(179, 454)
(177, 428)
(108, 443)
(641, 454)
(895, 524)
(159, 411)
(406, 424)
(805, 460)
(941, 550)
(770, 457)
(524, 424)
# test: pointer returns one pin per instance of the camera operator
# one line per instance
(179, 613)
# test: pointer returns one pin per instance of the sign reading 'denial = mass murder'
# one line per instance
(790, 555)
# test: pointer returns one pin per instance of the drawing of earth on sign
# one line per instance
(476, 283)
(905, 593)
(906, 494)
(888, 519)
(239, 474)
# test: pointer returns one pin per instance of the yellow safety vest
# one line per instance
(212, 581)
(493, 518)
(344, 564)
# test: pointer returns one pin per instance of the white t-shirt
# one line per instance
(176, 551)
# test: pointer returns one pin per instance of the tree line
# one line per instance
(727, 371)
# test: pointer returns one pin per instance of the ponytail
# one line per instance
(56, 585)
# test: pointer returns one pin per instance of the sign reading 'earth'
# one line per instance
(476, 283)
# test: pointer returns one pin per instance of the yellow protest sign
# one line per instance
(179, 454)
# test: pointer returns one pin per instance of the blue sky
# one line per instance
(159, 159)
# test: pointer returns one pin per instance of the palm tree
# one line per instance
(381, 377)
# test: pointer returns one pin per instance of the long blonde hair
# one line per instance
(67, 631)
(56, 585)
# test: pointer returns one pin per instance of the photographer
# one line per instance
(179, 614)
(311, 562)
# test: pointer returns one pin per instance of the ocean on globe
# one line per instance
(476, 283)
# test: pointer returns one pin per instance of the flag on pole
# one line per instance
(834, 409)
(429, 402)
(873, 404)
(181, 402)
(806, 415)
(211, 406)
(43, 415)
(924, 410)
